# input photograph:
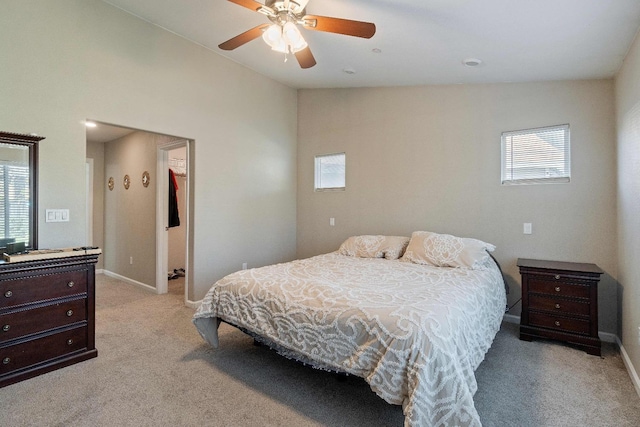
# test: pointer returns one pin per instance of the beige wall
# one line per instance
(130, 215)
(428, 158)
(95, 151)
(628, 124)
(65, 61)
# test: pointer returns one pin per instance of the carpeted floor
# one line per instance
(153, 369)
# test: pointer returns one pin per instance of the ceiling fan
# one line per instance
(283, 34)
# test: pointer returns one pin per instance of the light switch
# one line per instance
(332, 221)
(527, 228)
(57, 215)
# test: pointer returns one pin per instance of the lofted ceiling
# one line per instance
(421, 42)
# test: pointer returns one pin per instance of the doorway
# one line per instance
(126, 218)
(172, 217)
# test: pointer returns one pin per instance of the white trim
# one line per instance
(630, 369)
(193, 304)
(608, 337)
(89, 210)
(162, 213)
(99, 271)
(510, 318)
(130, 281)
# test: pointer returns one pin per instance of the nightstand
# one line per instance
(560, 302)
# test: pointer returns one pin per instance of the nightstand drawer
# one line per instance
(42, 349)
(547, 285)
(559, 323)
(40, 288)
(559, 305)
(25, 322)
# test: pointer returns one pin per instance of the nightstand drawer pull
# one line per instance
(70, 284)
(557, 277)
(558, 306)
(69, 313)
(557, 323)
(557, 288)
(6, 328)
(8, 294)
(6, 361)
(70, 341)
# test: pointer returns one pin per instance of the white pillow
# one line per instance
(389, 247)
(445, 250)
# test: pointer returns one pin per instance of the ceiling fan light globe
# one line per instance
(302, 44)
(273, 35)
(291, 33)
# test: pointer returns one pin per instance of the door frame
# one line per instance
(162, 215)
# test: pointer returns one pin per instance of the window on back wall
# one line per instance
(536, 156)
(330, 172)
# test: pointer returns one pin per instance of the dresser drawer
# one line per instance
(26, 322)
(42, 349)
(558, 305)
(547, 285)
(38, 288)
(559, 323)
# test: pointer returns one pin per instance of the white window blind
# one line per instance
(330, 172)
(536, 156)
(14, 202)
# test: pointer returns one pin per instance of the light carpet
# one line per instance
(153, 369)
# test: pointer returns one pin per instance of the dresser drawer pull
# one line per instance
(70, 284)
(557, 277)
(69, 313)
(557, 323)
(6, 360)
(69, 341)
(557, 306)
(557, 288)
(6, 328)
(8, 294)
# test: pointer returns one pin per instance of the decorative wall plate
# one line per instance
(111, 183)
(145, 179)
(127, 182)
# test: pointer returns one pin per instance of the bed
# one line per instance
(415, 326)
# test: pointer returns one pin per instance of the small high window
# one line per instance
(536, 156)
(330, 172)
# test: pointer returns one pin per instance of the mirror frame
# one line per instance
(30, 141)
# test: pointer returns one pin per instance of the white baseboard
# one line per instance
(193, 304)
(188, 303)
(606, 337)
(99, 271)
(630, 369)
(130, 281)
(510, 318)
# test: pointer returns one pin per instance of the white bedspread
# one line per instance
(415, 333)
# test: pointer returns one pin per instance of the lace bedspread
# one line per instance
(415, 333)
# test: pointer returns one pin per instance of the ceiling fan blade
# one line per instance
(341, 26)
(305, 58)
(249, 4)
(243, 38)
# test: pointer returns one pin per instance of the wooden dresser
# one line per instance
(47, 315)
(560, 301)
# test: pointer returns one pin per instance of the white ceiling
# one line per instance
(422, 41)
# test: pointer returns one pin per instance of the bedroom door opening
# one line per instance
(172, 219)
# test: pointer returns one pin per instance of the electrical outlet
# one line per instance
(638, 334)
(332, 222)
(244, 265)
(130, 260)
(526, 229)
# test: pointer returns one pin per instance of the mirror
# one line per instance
(19, 190)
